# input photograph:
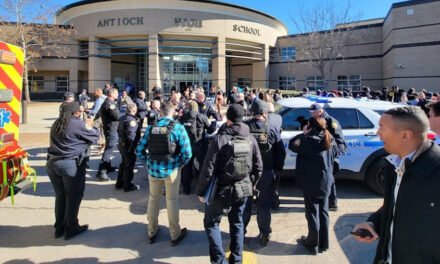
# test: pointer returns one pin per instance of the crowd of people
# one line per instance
(239, 164)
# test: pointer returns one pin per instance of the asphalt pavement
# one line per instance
(118, 223)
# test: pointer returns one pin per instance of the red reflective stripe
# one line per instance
(14, 116)
(9, 83)
(18, 66)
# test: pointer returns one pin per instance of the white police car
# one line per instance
(359, 119)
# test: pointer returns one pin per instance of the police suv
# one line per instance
(359, 119)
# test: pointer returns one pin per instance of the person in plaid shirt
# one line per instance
(164, 169)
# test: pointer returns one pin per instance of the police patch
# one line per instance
(132, 123)
(112, 107)
(334, 125)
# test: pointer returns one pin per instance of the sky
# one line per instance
(284, 10)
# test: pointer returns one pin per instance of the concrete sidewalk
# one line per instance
(118, 222)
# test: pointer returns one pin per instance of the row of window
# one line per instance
(316, 82)
(347, 118)
(36, 83)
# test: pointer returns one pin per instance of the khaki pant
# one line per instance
(172, 184)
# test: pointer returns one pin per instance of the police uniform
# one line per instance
(127, 131)
(153, 115)
(207, 109)
(233, 160)
(66, 167)
(314, 169)
(141, 115)
(335, 129)
(276, 121)
(110, 119)
(195, 124)
(273, 154)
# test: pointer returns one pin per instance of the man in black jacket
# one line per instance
(195, 124)
(407, 225)
(273, 154)
(234, 159)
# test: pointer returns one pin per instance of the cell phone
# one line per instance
(363, 233)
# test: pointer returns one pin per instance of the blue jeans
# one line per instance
(224, 204)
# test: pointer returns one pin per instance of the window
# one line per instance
(287, 83)
(347, 118)
(288, 54)
(349, 81)
(364, 122)
(290, 118)
(83, 49)
(314, 82)
(243, 82)
(62, 83)
(36, 83)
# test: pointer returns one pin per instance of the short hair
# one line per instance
(131, 107)
(111, 91)
(435, 107)
(167, 108)
(411, 118)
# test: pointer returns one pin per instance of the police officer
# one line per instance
(141, 112)
(276, 121)
(316, 151)
(234, 160)
(273, 154)
(70, 138)
(110, 118)
(335, 129)
(195, 124)
(206, 108)
(154, 112)
(127, 131)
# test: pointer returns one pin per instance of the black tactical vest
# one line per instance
(262, 137)
(237, 159)
(160, 146)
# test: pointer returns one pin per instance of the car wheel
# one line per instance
(375, 176)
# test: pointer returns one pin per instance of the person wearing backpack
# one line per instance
(166, 148)
(233, 158)
(273, 154)
(195, 124)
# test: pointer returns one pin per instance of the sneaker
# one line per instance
(111, 169)
(176, 241)
(77, 231)
(102, 177)
(132, 187)
(333, 208)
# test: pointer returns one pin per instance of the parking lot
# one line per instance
(118, 221)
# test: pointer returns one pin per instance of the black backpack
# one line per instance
(191, 128)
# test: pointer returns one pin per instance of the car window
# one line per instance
(364, 122)
(290, 122)
(380, 112)
(347, 118)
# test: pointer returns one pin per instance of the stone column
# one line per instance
(100, 68)
(219, 63)
(260, 70)
(154, 77)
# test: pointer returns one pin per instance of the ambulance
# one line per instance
(15, 169)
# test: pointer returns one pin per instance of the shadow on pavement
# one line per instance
(355, 251)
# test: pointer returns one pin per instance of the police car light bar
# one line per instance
(318, 99)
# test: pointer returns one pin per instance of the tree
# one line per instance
(26, 23)
(324, 30)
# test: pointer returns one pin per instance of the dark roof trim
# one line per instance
(408, 3)
(86, 2)
(336, 30)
